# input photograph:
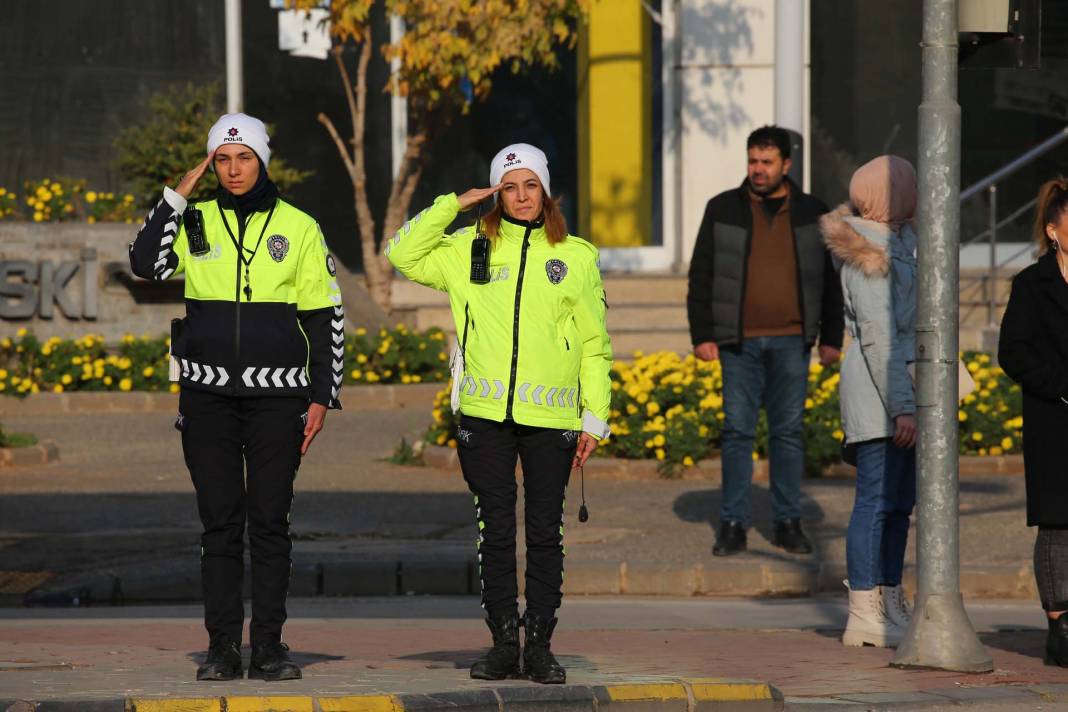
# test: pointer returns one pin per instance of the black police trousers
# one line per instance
(221, 437)
(488, 452)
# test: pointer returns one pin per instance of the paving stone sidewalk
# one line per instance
(115, 519)
(422, 646)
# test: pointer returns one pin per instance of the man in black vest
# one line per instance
(762, 292)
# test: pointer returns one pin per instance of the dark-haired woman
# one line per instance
(530, 381)
(1032, 351)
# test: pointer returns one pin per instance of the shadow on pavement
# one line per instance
(304, 659)
(702, 506)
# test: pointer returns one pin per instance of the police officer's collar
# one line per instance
(532, 224)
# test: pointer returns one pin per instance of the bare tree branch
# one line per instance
(325, 121)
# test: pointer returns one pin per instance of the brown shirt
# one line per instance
(772, 302)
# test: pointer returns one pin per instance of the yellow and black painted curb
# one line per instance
(664, 695)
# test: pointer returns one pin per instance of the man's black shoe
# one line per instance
(502, 660)
(789, 536)
(538, 661)
(731, 539)
(271, 662)
(223, 662)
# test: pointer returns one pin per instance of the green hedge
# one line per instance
(29, 365)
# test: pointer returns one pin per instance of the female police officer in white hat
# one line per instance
(258, 356)
(530, 379)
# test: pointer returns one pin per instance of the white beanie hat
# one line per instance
(520, 155)
(241, 128)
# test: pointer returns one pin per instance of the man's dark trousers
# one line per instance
(221, 435)
(488, 452)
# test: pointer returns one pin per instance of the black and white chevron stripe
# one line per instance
(268, 377)
(337, 346)
(203, 373)
(166, 244)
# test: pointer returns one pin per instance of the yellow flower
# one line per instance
(1006, 443)
(837, 434)
(66, 379)
(659, 440)
(91, 220)
(57, 388)
(962, 416)
(756, 456)
(660, 454)
(107, 380)
(451, 443)
(361, 331)
(417, 378)
(995, 451)
(808, 404)
(687, 461)
(360, 358)
(356, 373)
(174, 388)
(125, 384)
(90, 197)
(652, 408)
(441, 439)
(406, 378)
(977, 436)
(147, 373)
(3, 373)
(127, 198)
(21, 332)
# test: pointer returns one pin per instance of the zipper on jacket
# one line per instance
(515, 322)
(467, 321)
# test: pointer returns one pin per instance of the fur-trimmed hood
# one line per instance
(849, 246)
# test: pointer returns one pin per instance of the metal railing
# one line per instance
(989, 185)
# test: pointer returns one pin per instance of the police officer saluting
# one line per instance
(530, 379)
(258, 357)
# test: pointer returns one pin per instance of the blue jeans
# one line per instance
(771, 371)
(879, 527)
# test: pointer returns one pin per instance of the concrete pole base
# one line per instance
(941, 637)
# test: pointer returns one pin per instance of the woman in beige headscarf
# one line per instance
(874, 249)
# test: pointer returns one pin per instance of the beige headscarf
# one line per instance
(884, 190)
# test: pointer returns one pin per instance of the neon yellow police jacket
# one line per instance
(532, 343)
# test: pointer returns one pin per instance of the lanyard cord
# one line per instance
(241, 249)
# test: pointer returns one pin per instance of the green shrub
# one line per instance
(172, 140)
(29, 365)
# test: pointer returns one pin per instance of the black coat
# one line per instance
(720, 263)
(1033, 351)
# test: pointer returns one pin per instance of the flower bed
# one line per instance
(29, 365)
(670, 408)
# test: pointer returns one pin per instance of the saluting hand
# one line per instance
(189, 181)
(586, 445)
(316, 418)
(476, 195)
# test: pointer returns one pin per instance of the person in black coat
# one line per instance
(1032, 351)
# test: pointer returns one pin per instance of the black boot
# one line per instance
(789, 535)
(538, 661)
(503, 658)
(731, 540)
(271, 662)
(1057, 641)
(223, 662)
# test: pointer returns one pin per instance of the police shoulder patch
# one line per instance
(278, 247)
(556, 270)
(331, 266)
